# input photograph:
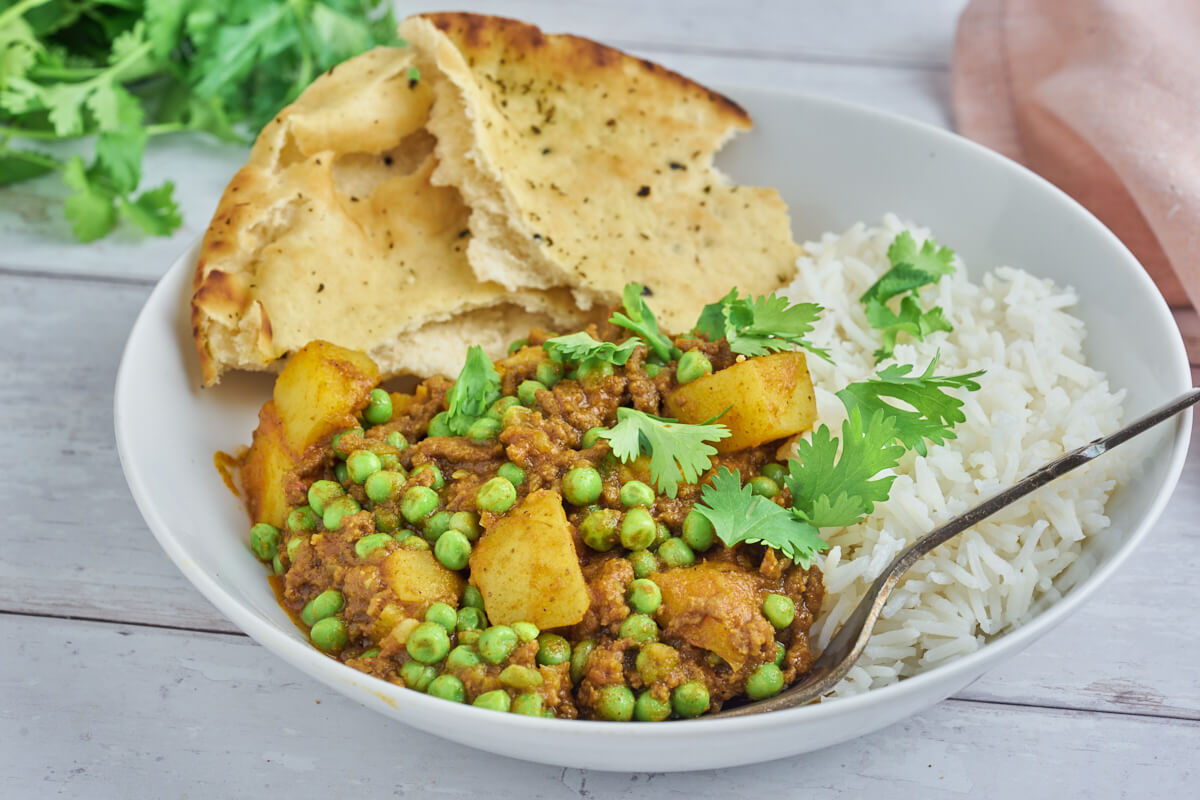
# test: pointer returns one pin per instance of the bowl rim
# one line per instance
(316, 664)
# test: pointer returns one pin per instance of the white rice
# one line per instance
(1038, 398)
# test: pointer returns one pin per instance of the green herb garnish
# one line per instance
(477, 387)
(639, 319)
(580, 347)
(911, 269)
(755, 326)
(678, 452)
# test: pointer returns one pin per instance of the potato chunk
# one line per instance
(415, 576)
(526, 566)
(768, 397)
(317, 394)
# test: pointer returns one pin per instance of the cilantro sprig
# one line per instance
(125, 71)
(911, 269)
(640, 319)
(580, 347)
(755, 326)
(678, 452)
(477, 387)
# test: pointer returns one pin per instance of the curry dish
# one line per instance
(523, 538)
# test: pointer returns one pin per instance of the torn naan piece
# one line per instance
(586, 167)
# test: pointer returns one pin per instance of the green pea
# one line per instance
(548, 373)
(639, 627)
(644, 596)
(469, 637)
(264, 540)
(675, 552)
(582, 485)
(396, 439)
(553, 649)
(330, 635)
(590, 437)
(593, 369)
(452, 550)
(638, 529)
(647, 709)
(386, 520)
(776, 472)
(326, 604)
(439, 425)
(765, 681)
(335, 442)
(527, 392)
(443, 614)
(391, 462)
(483, 430)
(338, 508)
(599, 529)
(293, 547)
(462, 657)
(515, 415)
(519, 677)
(466, 523)
(384, 485)
(428, 643)
(636, 493)
(498, 408)
(302, 519)
(372, 653)
(410, 542)
(690, 700)
(661, 534)
(418, 503)
(780, 654)
(779, 610)
(341, 473)
(370, 543)
(516, 345)
(379, 407)
(448, 687)
(763, 486)
(692, 365)
(698, 532)
(526, 631)
(436, 524)
(529, 703)
(656, 661)
(497, 643)
(651, 370)
(471, 619)
(579, 659)
(472, 598)
(417, 676)
(510, 471)
(495, 700)
(362, 464)
(323, 492)
(435, 481)
(496, 496)
(277, 565)
(644, 563)
(615, 703)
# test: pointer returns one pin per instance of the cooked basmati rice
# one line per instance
(1037, 399)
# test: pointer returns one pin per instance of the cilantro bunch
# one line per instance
(125, 71)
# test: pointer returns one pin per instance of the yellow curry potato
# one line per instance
(415, 576)
(768, 398)
(319, 392)
(526, 567)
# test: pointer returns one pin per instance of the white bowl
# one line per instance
(834, 164)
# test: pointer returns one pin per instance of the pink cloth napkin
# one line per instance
(1102, 98)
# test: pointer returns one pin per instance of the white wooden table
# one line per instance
(117, 679)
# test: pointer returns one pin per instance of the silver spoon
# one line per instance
(851, 639)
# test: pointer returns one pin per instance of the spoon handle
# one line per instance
(848, 643)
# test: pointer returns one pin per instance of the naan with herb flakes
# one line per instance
(333, 230)
(586, 167)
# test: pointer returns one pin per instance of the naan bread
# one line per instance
(334, 231)
(587, 167)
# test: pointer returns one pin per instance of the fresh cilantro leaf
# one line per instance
(19, 165)
(911, 269)
(164, 25)
(832, 491)
(154, 210)
(910, 319)
(19, 49)
(678, 452)
(119, 146)
(477, 387)
(755, 326)
(739, 515)
(580, 346)
(89, 208)
(927, 411)
(640, 319)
